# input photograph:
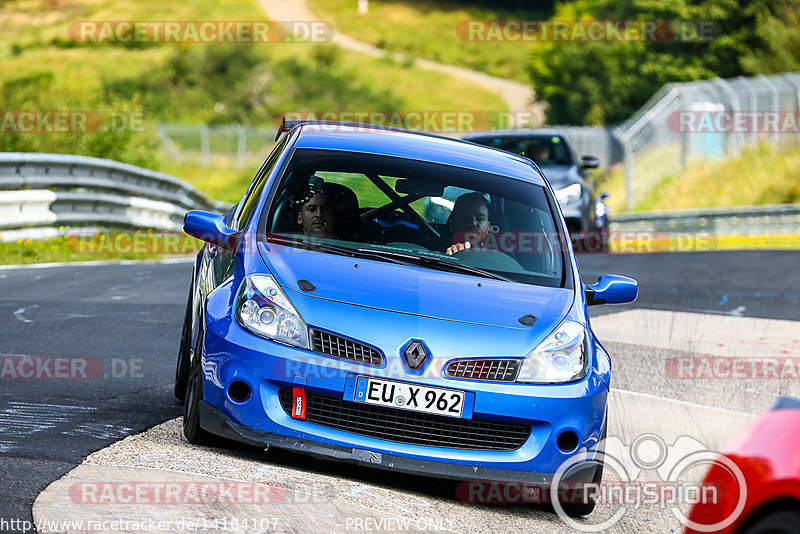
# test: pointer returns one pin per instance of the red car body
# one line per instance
(767, 453)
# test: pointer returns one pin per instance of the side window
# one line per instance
(250, 201)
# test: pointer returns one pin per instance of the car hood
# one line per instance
(416, 290)
(560, 176)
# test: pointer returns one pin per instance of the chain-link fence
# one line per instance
(708, 119)
(681, 123)
(200, 143)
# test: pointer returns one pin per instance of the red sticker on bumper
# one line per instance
(299, 403)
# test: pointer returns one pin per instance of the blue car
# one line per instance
(333, 312)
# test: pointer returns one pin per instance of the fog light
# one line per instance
(567, 441)
(238, 391)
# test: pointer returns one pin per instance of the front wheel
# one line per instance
(182, 366)
(581, 508)
(781, 522)
(194, 433)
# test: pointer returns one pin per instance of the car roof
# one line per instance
(418, 146)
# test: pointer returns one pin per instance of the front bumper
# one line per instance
(232, 354)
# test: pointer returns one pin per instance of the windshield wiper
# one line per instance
(436, 261)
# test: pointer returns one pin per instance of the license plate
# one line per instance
(449, 402)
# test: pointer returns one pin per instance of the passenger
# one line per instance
(468, 222)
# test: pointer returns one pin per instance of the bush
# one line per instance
(115, 128)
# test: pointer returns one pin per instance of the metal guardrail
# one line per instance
(766, 219)
(42, 190)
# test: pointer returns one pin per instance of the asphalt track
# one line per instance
(124, 320)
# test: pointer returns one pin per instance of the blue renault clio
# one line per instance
(398, 300)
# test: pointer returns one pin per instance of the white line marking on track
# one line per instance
(166, 261)
(20, 313)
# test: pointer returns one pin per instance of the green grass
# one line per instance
(761, 174)
(297, 76)
(111, 245)
(427, 28)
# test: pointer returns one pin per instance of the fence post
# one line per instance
(204, 150)
(684, 154)
(746, 82)
(168, 143)
(793, 82)
(241, 144)
(627, 162)
(735, 108)
(773, 91)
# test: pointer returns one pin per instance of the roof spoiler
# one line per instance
(287, 126)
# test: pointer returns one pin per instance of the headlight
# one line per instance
(571, 193)
(561, 357)
(263, 308)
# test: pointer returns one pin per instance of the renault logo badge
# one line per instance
(415, 354)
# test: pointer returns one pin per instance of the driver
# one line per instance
(319, 217)
(468, 222)
(328, 210)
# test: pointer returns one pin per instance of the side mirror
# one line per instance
(589, 162)
(209, 227)
(611, 289)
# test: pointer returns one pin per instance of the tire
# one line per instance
(192, 430)
(585, 508)
(780, 522)
(182, 365)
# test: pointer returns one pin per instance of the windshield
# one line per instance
(423, 214)
(545, 150)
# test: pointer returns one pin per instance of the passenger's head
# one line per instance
(470, 215)
(331, 212)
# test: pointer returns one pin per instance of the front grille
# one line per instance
(346, 349)
(496, 370)
(404, 426)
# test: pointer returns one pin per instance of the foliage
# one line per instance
(605, 82)
(115, 129)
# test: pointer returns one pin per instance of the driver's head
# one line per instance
(470, 216)
(319, 216)
(540, 152)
